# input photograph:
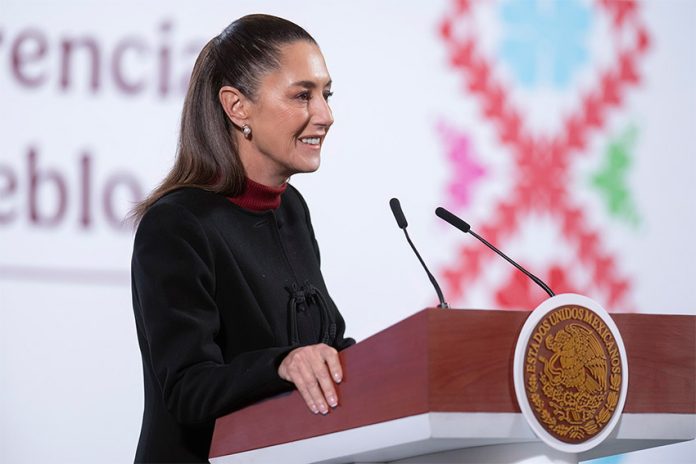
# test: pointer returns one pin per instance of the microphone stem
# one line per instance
(443, 304)
(527, 273)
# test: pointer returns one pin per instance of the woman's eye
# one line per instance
(306, 96)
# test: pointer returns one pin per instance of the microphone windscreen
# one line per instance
(398, 214)
(459, 223)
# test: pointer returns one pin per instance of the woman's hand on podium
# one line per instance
(314, 369)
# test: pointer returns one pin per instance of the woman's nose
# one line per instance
(322, 114)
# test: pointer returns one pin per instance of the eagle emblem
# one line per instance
(571, 374)
(578, 360)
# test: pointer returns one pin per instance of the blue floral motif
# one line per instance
(545, 41)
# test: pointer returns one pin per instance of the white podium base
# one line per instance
(527, 453)
(464, 438)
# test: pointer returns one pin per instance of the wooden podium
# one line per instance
(438, 387)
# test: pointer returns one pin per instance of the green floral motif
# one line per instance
(610, 179)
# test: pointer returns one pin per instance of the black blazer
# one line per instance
(221, 294)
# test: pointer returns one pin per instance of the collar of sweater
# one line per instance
(259, 197)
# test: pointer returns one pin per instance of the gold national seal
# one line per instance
(572, 373)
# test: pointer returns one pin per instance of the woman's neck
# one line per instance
(258, 167)
(259, 197)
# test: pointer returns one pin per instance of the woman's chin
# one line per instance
(309, 164)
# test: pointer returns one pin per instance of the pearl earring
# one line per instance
(246, 130)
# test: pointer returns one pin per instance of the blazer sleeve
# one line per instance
(174, 287)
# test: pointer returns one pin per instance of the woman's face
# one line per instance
(289, 117)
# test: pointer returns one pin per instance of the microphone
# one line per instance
(462, 225)
(401, 221)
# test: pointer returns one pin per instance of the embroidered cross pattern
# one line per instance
(542, 161)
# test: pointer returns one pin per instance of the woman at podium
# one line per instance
(229, 300)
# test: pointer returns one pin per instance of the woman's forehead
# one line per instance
(302, 64)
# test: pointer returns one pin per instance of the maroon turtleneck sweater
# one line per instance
(259, 197)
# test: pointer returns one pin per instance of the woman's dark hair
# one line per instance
(207, 155)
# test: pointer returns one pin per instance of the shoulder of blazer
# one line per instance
(184, 207)
(194, 199)
(295, 197)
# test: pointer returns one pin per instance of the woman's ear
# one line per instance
(235, 105)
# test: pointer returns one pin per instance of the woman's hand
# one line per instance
(314, 369)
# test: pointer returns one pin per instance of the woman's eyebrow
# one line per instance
(309, 84)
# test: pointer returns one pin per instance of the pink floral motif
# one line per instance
(466, 171)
